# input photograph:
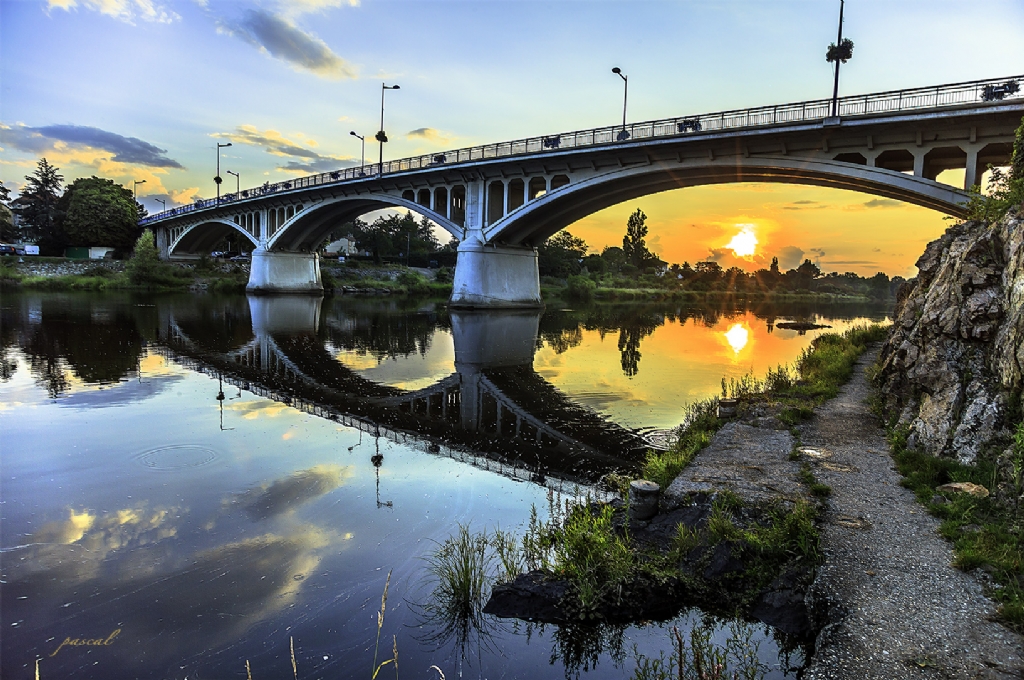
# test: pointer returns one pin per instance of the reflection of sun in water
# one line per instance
(743, 244)
(737, 337)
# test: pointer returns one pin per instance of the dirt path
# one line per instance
(897, 606)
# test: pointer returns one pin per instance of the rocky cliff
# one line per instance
(953, 366)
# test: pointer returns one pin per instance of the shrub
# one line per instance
(581, 288)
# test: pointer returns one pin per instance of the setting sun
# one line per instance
(743, 244)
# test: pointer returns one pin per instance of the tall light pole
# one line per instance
(362, 154)
(135, 189)
(238, 184)
(217, 180)
(839, 53)
(625, 94)
(380, 136)
(161, 202)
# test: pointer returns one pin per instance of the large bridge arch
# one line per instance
(202, 236)
(535, 221)
(308, 228)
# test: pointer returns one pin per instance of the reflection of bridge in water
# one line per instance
(494, 412)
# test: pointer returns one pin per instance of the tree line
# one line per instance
(91, 211)
(96, 211)
(566, 256)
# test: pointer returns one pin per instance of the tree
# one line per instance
(390, 236)
(803, 275)
(878, 286)
(7, 230)
(95, 211)
(614, 258)
(633, 244)
(144, 266)
(561, 255)
(38, 206)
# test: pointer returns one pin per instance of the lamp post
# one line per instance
(217, 180)
(625, 93)
(135, 189)
(380, 136)
(238, 183)
(362, 153)
(161, 202)
(839, 53)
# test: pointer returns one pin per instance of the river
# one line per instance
(193, 482)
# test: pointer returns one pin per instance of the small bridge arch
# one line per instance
(201, 236)
(309, 227)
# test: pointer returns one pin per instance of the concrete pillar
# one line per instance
(919, 162)
(973, 174)
(274, 272)
(872, 157)
(163, 239)
(489, 276)
(475, 206)
(264, 233)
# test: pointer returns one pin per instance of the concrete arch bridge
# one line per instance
(502, 200)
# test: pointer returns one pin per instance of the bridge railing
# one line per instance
(895, 101)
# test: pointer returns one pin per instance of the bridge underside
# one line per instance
(537, 222)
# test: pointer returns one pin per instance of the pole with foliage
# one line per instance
(839, 52)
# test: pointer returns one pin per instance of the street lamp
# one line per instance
(380, 136)
(362, 154)
(217, 180)
(135, 189)
(161, 202)
(238, 185)
(838, 53)
(622, 136)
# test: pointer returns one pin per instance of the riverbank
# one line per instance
(205, 275)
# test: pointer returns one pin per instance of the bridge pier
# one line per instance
(495, 277)
(274, 272)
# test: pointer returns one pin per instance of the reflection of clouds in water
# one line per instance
(153, 365)
(413, 371)
(259, 408)
(119, 394)
(76, 547)
(299, 487)
(167, 594)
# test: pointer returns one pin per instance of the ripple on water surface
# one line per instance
(178, 457)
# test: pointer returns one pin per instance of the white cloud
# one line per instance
(122, 10)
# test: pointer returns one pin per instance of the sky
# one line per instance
(143, 90)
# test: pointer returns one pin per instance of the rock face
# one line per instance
(956, 352)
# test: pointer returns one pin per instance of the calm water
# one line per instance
(198, 473)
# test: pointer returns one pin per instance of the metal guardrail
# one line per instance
(895, 101)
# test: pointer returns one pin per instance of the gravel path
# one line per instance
(897, 607)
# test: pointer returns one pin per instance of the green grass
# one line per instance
(820, 371)
(984, 534)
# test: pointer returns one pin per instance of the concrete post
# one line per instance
(919, 162)
(162, 243)
(273, 272)
(491, 276)
(973, 172)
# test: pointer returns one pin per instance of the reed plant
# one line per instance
(696, 656)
